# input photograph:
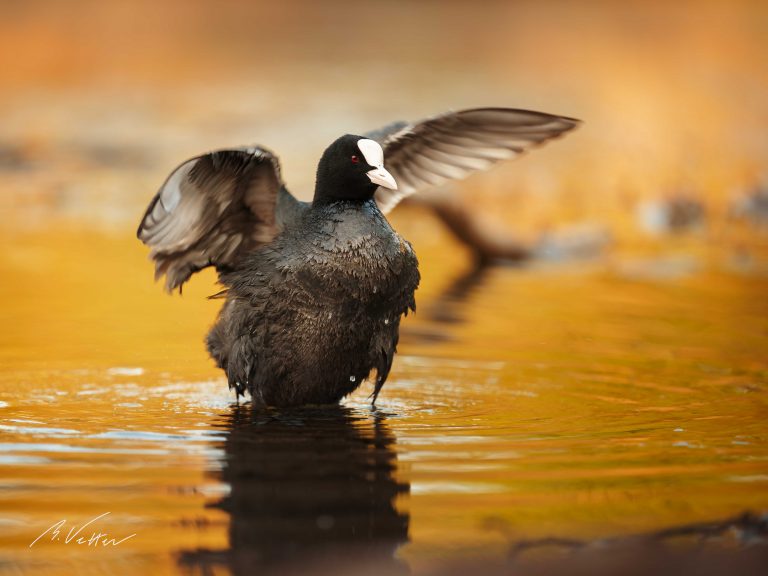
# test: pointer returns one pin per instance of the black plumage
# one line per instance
(315, 291)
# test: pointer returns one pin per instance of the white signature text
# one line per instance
(76, 535)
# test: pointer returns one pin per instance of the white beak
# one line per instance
(381, 177)
(374, 155)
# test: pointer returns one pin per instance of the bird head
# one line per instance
(351, 168)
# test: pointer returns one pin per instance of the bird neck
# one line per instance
(331, 188)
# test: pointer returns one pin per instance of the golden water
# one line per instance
(581, 400)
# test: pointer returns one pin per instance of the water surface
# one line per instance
(571, 401)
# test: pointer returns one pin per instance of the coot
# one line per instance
(314, 292)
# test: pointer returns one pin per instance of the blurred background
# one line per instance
(101, 100)
(570, 383)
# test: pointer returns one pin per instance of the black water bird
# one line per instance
(314, 292)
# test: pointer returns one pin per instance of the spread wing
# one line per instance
(454, 145)
(211, 210)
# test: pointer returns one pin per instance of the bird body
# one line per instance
(314, 292)
(308, 316)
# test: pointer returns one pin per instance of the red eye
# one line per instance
(355, 159)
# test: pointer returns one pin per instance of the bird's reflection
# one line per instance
(312, 492)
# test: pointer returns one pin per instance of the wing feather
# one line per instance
(212, 210)
(454, 145)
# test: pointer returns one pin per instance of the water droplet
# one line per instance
(351, 378)
(386, 320)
